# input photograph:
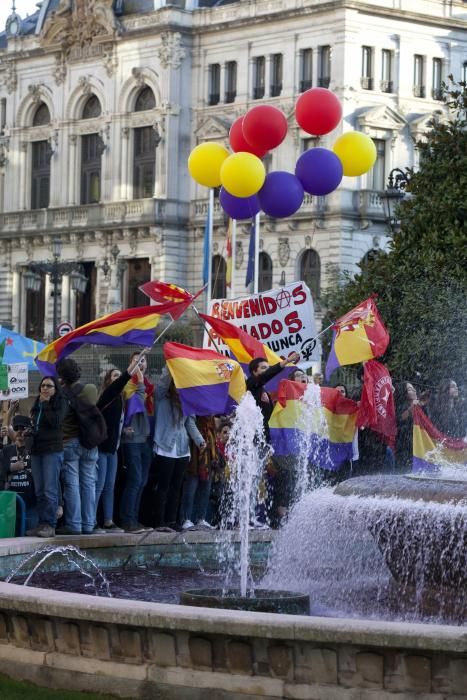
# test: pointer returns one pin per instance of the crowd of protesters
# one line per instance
(125, 458)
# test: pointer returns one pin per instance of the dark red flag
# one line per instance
(377, 409)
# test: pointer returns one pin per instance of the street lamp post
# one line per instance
(394, 193)
(56, 270)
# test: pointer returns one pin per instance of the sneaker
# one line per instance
(133, 529)
(111, 527)
(34, 530)
(146, 528)
(96, 531)
(45, 531)
(67, 531)
(187, 525)
(164, 528)
(204, 525)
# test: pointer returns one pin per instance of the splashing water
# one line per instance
(74, 556)
(371, 557)
(246, 452)
(313, 441)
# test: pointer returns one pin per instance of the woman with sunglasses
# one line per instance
(47, 416)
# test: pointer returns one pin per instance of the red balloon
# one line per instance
(318, 111)
(264, 127)
(238, 141)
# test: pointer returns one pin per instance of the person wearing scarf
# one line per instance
(137, 451)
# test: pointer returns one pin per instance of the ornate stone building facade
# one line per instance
(101, 102)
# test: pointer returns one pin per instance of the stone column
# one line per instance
(24, 189)
(125, 144)
(73, 144)
(17, 319)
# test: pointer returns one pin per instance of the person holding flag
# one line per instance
(260, 374)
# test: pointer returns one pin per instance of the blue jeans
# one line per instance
(79, 491)
(195, 498)
(137, 458)
(46, 474)
(106, 475)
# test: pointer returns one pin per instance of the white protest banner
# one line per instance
(18, 385)
(283, 319)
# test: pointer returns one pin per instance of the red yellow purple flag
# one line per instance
(330, 439)
(358, 336)
(128, 327)
(208, 383)
(431, 448)
(242, 345)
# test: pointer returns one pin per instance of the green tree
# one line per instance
(421, 281)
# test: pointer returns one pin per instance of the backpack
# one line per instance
(92, 425)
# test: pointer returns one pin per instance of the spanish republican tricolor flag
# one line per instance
(166, 293)
(431, 448)
(208, 384)
(129, 327)
(358, 336)
(331, 431)
(242, 345)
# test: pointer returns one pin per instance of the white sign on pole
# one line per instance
(18, 384)
(283, 319)
(64, 328)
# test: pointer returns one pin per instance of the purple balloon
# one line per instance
(239, 207)
(319, 170)
(281, 195)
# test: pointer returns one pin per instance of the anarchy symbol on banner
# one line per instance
(307, 348)
(283, 299)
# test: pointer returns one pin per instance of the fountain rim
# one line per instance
(78, 606)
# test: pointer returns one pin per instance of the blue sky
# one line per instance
(23, 8)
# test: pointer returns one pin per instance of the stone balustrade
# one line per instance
(143, 212)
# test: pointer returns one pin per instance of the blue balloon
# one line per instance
(281, 195)
(239, 207)
(319, 170)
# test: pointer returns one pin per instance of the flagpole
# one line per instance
(206, 329)
(233, 245)
(210, 232)
(256, 277)
(145, 351)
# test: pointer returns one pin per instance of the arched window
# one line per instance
(310, 272)
(41, 115)
(91, 156)
(40, 162)
(145, 100)
(219, 282)
(92, 108)
(265, 272)
(145, 144)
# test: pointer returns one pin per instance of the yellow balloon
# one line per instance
(356, 151)
(205, 161)
(242, 174)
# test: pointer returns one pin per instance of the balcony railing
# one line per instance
(369, 204)
(305, 84)
(324, 82)
(276, 89)
(419, 91)
(258, 93)
(366, 83)
(386, 86)
(214, 98)
(437, 94)
(230, 96)
(137, 211)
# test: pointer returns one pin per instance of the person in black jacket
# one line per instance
(111, 405)
(260, 374)
(48, 413)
